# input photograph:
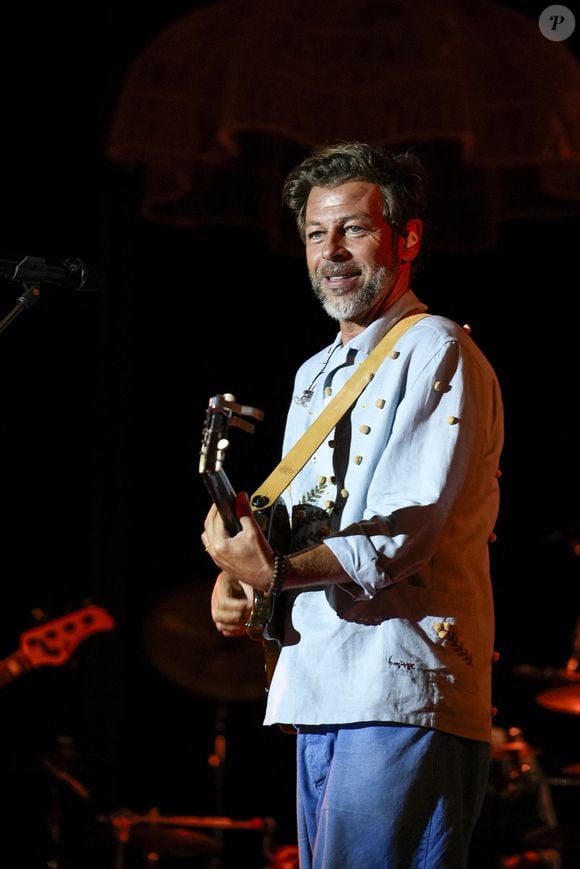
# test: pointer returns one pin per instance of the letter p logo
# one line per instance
(557, 23)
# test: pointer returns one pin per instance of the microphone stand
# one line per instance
(30, 295)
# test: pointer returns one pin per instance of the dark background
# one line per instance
(102, 412)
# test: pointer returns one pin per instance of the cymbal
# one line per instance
(566, 698)
(183, 643)
(176, 842)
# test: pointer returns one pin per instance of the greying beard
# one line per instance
(352, 307)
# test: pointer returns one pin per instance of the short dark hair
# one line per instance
(401, 177)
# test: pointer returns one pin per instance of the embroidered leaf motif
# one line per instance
(450, 639)
(314, 494)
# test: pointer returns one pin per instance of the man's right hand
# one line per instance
(231, 605)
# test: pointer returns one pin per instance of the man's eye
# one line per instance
(315, 235)
(353, 229)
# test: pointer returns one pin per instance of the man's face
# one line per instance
(351, 251)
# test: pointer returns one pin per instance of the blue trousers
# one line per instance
(387, 796)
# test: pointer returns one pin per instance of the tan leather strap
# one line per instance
(298, 455)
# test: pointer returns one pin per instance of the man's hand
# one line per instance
(231, 605)
(248, 554)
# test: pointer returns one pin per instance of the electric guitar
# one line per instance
(223, 412)
(52, 643)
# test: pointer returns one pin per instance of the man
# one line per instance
(385, 661)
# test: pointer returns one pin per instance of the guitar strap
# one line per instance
(305, 446)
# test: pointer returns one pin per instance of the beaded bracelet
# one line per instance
(278, 576)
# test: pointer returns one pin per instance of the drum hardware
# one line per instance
(544, 859)
(560, 838)
(522, 793)
(548, 675)
(564, 837)
(174, 835)
(60, 765)
(538, 825)
(563, 700)
(62, 775)
(513, 761)
(568, 777)
(284, 857)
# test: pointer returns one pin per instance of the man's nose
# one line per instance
(334, 248)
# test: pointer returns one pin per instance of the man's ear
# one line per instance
(410, 242)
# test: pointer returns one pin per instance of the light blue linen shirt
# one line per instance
(408, 483)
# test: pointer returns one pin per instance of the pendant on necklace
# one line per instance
(304, 399)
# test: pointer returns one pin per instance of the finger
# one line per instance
(210, 518)
(229, 630)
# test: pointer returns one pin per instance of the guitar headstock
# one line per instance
(223, 412)
(54, 642)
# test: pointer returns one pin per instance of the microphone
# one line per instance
(74, 274)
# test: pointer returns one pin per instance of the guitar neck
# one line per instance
(224, 497)
(12, 667)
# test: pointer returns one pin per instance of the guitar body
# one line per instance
(266, 618)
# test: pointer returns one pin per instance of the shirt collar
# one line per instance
(408, 303)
